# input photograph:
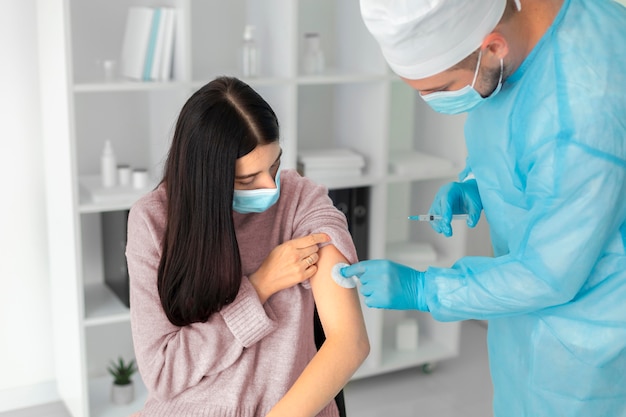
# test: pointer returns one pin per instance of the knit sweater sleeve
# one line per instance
(172, 359)
(315, 213)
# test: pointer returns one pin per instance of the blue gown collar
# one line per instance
(531, 57)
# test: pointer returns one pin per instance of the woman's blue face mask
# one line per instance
(256, 201)
(463, 100)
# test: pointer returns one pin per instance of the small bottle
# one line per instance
(108, 166)
(109, 67)
(140, 178)
(123, 174)
(249, 53)
(313, 58)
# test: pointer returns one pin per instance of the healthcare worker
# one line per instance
(544, 82)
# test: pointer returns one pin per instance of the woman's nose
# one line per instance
(267, 180)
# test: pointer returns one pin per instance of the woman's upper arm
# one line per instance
(339, 308)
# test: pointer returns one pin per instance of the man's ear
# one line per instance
(495, 46)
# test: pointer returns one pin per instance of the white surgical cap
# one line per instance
(420, 38)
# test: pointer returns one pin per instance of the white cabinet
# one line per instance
(354, 103)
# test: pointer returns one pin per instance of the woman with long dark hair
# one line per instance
(228, 258)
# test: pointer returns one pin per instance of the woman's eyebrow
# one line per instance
(243, 177)
(280, 154)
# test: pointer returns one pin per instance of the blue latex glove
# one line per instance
(386, 284)
(456, 198)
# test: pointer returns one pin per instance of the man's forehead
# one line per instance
(437, 82)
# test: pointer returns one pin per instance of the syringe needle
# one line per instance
(435, 217)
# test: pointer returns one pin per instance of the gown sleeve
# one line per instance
(576, 199)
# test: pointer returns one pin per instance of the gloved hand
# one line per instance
(386, 284)
(456, 198)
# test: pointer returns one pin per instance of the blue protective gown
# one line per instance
(549, 156)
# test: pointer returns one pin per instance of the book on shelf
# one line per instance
(152, 44)
(148, 43)
(165, 68)
(135, 43)
(418, 164)
(324, 163)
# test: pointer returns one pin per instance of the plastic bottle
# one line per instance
(108, 166)
(313, 58)
(249, 53)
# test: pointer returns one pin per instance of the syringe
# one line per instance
(435, 217)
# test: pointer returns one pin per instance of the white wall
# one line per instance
(26, 362)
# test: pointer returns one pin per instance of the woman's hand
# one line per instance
(288, 264)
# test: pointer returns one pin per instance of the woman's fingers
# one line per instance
(311, 259)
(308, 246)
(311, 240)
(309, 272)
(308, 251)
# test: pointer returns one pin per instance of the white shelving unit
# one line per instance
(356, 103)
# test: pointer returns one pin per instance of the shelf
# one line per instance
(100, 402)
(117, 198)
(428, 351)
(328, 77)
(444, 175)
(124, 85)
(89, 207)
(348, 182)
(102, 306)
(339, 77)
(253, 82)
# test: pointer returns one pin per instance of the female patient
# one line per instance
(227, 259)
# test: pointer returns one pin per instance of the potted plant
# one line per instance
(122, 390)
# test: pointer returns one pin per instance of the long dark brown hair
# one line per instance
(200, 269)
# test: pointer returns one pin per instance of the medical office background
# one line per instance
(28, 372)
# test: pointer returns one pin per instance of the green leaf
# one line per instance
(122, 371)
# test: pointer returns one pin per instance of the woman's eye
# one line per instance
(244, 183)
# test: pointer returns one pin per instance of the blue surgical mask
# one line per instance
(463, 100)
(256, 201)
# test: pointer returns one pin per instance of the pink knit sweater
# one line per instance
(244, 358)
